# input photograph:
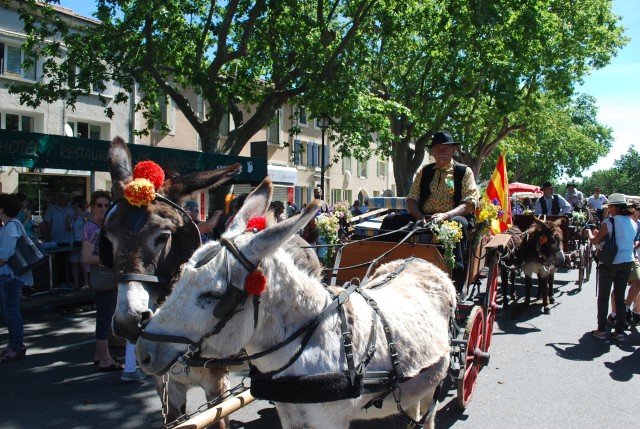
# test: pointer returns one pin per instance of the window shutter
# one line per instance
(296, 152)
(310, 155)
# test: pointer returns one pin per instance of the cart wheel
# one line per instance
(582, 266)
(490, 304)
(474, 357)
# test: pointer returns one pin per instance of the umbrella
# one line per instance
(523, 187)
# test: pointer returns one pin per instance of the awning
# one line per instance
(34, 150)
(282, 174)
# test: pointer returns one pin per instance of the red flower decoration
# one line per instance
(151, 171)
(542, 240)
(255, 283)
(257, 223)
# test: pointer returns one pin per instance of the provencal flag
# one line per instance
(498, 188)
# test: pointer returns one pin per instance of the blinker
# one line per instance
(231, 298)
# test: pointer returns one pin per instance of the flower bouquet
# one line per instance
(327, 225)
(488, 211)
(579, 219)
(448, 233)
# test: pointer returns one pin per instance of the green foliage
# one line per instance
(624, 177)
(236, 54)
(562, 141)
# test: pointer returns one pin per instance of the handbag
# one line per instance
(28, 255)
(609, 247)
(102, 278)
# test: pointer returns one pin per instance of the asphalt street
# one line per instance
(545, 371)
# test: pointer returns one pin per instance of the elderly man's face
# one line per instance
(443, 153)
(548, 192)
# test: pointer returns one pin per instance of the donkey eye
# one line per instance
(163, 238)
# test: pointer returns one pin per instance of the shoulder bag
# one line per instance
(609, 247)
(101, 278)
(28, 255)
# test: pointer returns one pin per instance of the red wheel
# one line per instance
(490, 305)
(474, 357)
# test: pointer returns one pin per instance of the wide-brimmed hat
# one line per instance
(441, 138)
(617, 200)
(547, 185)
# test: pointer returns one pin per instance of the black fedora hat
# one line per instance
(547, 185)
(442, 137)
(571, 184)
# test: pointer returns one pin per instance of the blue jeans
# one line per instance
(10, 293)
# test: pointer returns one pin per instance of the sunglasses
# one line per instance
(102, 206)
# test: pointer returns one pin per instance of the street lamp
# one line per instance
(323, 122)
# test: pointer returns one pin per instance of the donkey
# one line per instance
(510, 264)
(541, 253)
(302, 338)
(147, 246)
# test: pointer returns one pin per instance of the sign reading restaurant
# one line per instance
(34, 150)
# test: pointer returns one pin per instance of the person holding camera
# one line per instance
(621, 229)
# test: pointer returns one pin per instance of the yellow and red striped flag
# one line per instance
(498, 188)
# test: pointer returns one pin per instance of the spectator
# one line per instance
(617, 273)
(25, 216)
(105, 300)
(10, 283)
(355, 208)
(205, 228)
(54, 225)
(235, 205)
(550, 203)
(574, 197)
(632, 303)
(317, 194)
(75, 223)
(291, 208)
(365, 207)
(597, 202)
(527, 203)
(278, 210)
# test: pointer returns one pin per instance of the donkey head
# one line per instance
(212, 300)
(546, 238)
(147, 245)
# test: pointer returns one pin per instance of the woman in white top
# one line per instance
(11, 283)
(618, 272)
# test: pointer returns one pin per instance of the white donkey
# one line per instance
(307, 375)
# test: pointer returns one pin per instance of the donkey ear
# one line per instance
(119, 160)
(266, 241)
(558, 222)
(255, 205)
(176, 188)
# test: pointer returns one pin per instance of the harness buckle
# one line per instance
(347, 339)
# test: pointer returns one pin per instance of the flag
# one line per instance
(498, 188)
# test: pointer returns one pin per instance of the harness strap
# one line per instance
(133, 277)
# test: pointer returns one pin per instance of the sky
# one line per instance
(616, 87)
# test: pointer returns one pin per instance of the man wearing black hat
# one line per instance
(550, 203)
(573, 196)
(445, 190)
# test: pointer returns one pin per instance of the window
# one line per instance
(168, 115)
(346, 164)
(336, 196)
(362, 169)
(348, 195)
(302, 116)
(86, 130)
(273, 130)
(297, 152)
(382, 168)
(11, 59)
(15, 122)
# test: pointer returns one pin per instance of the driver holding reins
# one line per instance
(445, 190)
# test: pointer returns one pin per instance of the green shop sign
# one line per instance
(36, 150)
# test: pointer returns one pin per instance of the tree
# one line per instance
(235, 54)
(624, 177)
(482, 68)
(560, 141)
